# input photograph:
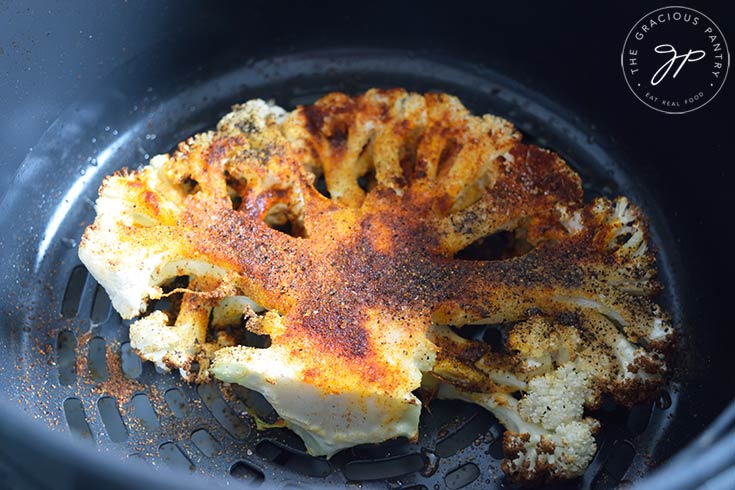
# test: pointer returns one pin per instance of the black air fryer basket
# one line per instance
(80, 408)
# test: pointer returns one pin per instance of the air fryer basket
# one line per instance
(67, 361)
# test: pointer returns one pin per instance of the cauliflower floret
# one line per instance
(556, 397)
(547, 436)
(564, 453)
(559, 375)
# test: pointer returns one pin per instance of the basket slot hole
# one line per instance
(664, 400)
(592, 473)
(400, 446)
(622, 456)
(440, 412)
(177, 403)
(76, 419)
(452, 414)
(246, 471)
(97, 359)
(144, 412)
(130, 363)
(295, 461)
(257, 403)
(289, 440)
(638, 417)
(73, 293)
(385, 468)
(222, 412)
(475, 427)
(174, 456)
(603, 481)
(496, 449)
(66, 359)
(206, 443)
(110, 415)
(615, 466)
(462, 476)
(100, 306)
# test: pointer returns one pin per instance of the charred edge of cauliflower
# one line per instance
(567, 363)
(622, 232)
(623, 276)
(629, 373)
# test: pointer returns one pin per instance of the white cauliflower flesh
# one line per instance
(355, 290)
(547, 437)
(558, 375)
(329, 418)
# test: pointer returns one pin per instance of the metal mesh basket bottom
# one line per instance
(74, 366)
(110, 395)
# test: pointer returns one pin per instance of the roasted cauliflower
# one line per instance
(358, 284)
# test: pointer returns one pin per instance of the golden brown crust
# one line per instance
(381, 256)
(387, 251)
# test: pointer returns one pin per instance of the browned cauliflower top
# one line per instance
(361, 281)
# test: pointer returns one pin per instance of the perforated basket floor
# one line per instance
(74, 369)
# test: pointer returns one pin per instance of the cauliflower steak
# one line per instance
(360, 284)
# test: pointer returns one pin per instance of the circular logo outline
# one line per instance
(625, 75)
